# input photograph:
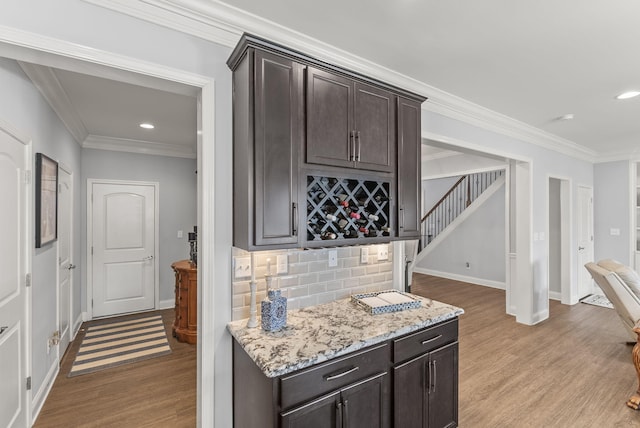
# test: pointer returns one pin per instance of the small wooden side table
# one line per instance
(185, 326)
(634, 401)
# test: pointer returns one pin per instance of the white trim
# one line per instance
(554, 295)
(440, 155)
(633, 214)
(463, 278)
(166, 304)
(76, 325)
(224, 24)
(540, 316)
(100, 142)
(46, 81)
(156, 249)
(499, 166)
(40, 397)
(480, 148)
(567, 287)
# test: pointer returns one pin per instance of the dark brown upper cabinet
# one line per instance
(349, 123)
(297, 119)
(409, 168)
(267, 124)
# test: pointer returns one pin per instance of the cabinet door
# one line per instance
(366, 404)
(375, 128)
(325, 412)
(330, 140)
(410, 393)
(443, 398)
(278, 134)
(409, 168)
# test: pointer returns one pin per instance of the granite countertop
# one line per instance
(320, 333)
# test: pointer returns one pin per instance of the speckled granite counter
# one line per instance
(320, 333)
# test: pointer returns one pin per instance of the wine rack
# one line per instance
(344, 208)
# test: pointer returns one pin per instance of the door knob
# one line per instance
(580, 248)
(148, 258)
(71, 266)
(3, 328)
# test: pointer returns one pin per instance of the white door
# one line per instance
(64, 258)
(13, 294)
(585, 240)
(124, 227)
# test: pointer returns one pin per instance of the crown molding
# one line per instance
(46, 81)
(101, 142)
(224, 24)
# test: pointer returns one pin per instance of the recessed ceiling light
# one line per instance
(568, 116)
(147, 125)
(627, 95)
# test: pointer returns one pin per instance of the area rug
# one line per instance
(597, 300)
(117, 343)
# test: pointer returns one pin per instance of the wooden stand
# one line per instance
(185, 326)
(634, 401)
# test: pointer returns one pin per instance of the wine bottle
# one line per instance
(350, 234)
(328, 235)
(381, 198)
(364, 230)
(371, 217)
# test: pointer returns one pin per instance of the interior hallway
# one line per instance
(158, 392)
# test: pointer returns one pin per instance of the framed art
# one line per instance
(46, 200)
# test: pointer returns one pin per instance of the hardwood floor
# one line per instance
(572, 370)
(159, 392)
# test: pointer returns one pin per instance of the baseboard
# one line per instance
(540, 316)
(555, 295)
(76, 326)
(456, 277)
(37, 400)
(166, 304)
(85, 316)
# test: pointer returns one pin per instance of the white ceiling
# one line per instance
(529, 61)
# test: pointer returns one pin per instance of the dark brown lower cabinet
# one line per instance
(410, 381)
(363, 404)
(426, 390)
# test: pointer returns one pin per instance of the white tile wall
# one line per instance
(309, 280)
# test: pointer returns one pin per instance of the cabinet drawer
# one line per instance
(425, 340)
(318, 380)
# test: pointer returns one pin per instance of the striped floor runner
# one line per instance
(117, 343)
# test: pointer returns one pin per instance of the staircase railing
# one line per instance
(454, 202)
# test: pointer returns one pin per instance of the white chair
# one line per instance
(624, 294)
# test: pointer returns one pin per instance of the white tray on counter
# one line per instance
(382, 302)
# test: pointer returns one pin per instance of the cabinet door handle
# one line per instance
(401, 218)
(352, 146)
(338, 414)
(424, 342)
(294, 218)
(341, 374)
(359, 145)
(345, 419)
(435, 375)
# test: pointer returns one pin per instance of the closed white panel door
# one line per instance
(123, 245)
(585, 240)
(64, 258)
(13, 214)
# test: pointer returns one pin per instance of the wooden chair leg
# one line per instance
(634, 401)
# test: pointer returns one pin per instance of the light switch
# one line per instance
(364, 255)
(242, 267)
(281, 266)
(179, 234)
(614, 232)
(383, 252)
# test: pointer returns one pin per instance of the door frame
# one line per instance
(72, 331)
(28, 206)
(568, 291)
(212, 317)
(591, 249)
(156, 247)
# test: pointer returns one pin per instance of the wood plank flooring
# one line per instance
(160, 392)
(572, 370)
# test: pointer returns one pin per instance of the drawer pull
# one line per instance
(424, 342)
(339, 375)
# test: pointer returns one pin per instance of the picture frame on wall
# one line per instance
(46, 200)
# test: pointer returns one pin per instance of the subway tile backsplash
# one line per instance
(309, 280)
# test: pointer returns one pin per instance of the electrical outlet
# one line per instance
(281, 266)
(242, 267)
(333, 258)
(180, 234)
(383, 252)
(364, 255)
